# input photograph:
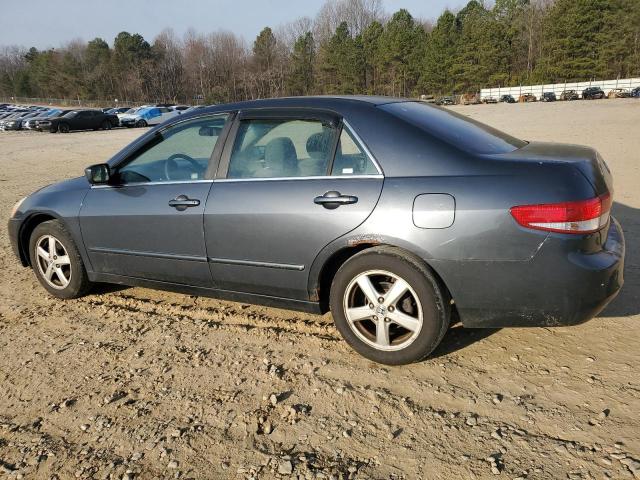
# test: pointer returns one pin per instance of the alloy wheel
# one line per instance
(383, 310)
(53, 262)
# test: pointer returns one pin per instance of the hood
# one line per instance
(79, 183)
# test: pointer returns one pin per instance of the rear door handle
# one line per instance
(182, 202)
(332, 200)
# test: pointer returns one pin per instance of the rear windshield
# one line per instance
(455, 129)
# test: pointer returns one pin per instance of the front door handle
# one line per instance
(182, 202)
(332, 200)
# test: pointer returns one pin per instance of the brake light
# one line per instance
(584, 216)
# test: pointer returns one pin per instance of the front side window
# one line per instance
(180, 153)
(266, 148)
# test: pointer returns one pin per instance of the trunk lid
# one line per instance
(587, 160)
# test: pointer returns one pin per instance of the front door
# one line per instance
(147, 223)
(290, 187)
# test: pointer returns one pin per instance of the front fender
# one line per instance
(61, 201)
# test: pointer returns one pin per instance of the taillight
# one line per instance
(584, 216)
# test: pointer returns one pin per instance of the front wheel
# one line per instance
(56, 261)
(106, 125)
(141, 123)
(63, 128)
(389, 306)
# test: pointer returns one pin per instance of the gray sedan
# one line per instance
(397, 216)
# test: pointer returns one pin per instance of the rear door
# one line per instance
(288, 184)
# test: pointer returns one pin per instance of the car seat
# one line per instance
(280, 159)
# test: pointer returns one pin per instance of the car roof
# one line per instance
(337, 103)
(319, 101)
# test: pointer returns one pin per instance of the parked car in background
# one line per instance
(15, 122)
(79, 120)
(619, 93)
(195, 107)
(527, 97)
(148, 116)
(470, 99)
(592, 93)
(489, 100)
(548, 97)
(131, 111)
(635, 93)
(569, 95)
(30, 123)
(181, 108)
(117, 110)
(445, 101)
(330, 203)
(507, 99)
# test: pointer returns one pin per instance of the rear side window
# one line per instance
(457, 130)
(281, 149)
(350, 158)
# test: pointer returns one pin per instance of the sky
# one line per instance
(46, 23)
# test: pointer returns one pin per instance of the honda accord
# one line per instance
(397, 216)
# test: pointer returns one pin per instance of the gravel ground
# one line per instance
(135, 383)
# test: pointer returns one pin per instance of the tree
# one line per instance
(351, 46)
(370, 39)
(339, 63)
(267, 81)
(439, 55)
(401, 49)
(301, 79)
(572, 29)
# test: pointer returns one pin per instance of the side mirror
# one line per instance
(98, 174)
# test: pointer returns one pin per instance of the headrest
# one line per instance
(280, 157)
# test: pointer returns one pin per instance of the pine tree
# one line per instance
(301, 80)
(401, 47)
(439, 56)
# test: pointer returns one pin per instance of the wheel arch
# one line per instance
(321, 280)
(26, 229)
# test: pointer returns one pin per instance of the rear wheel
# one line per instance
(57, 262)
(106, 125)
(388, 306)
(63, 128)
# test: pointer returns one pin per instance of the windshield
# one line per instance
(51, 113)
(455, 129)
(71, 114)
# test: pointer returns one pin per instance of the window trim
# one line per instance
(292, 114)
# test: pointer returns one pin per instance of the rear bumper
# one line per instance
(559, 286)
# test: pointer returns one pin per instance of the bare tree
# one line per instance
(357, 13)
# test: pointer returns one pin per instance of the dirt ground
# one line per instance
(135, 383)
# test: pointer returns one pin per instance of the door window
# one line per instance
(180, 153)
(282, 148)
(350, 158)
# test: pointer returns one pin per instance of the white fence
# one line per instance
(558, 88)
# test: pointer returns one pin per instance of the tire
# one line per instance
(141, 123)
(106, 125)
(63, 128)
(424, 305)
(70, 267)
